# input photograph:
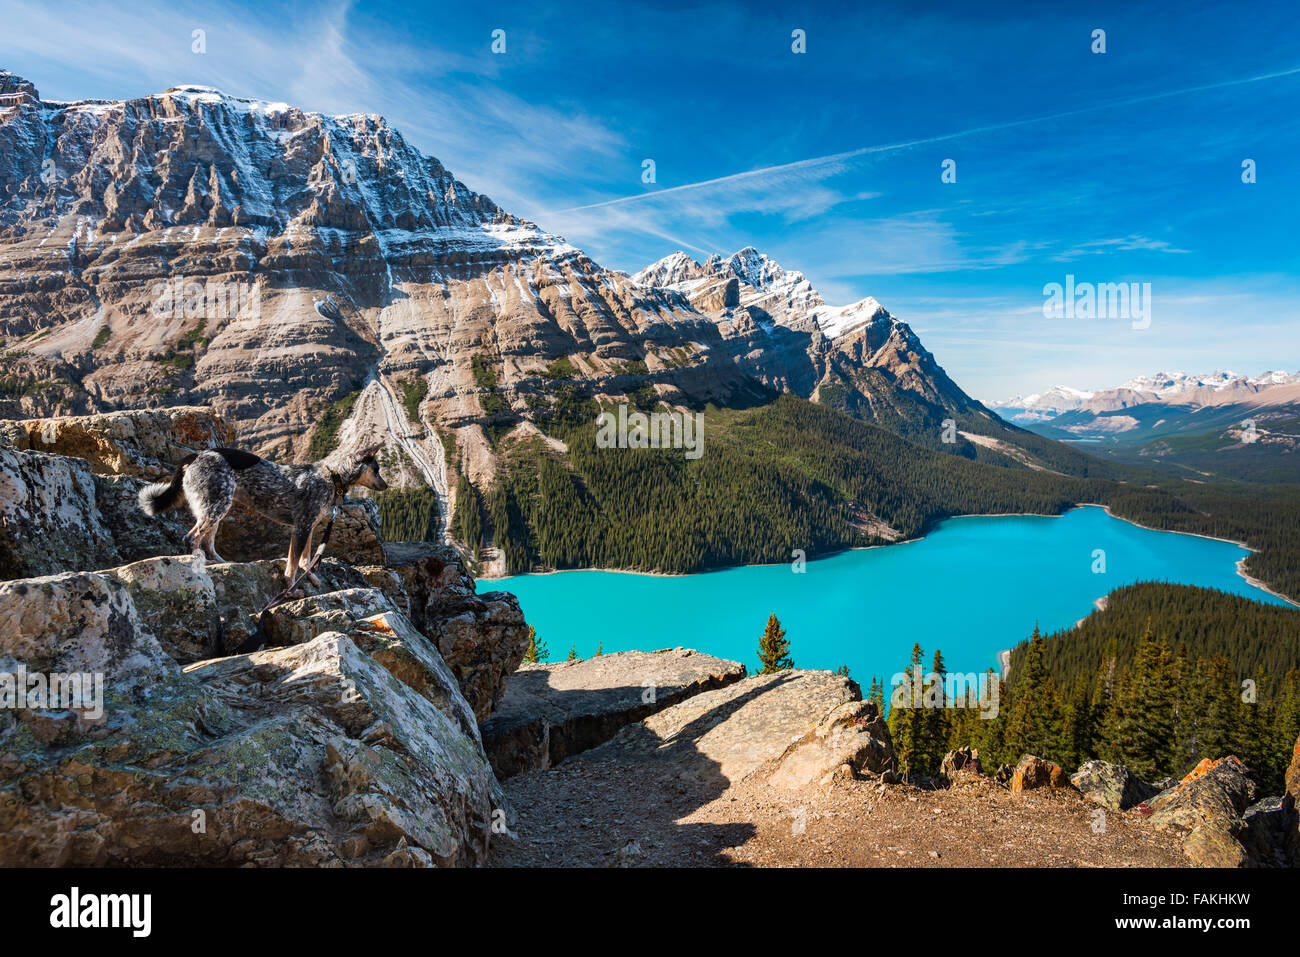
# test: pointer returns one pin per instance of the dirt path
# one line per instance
(588, 813)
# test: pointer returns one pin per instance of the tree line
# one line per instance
(1156, 696)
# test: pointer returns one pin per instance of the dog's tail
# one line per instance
(160, 496)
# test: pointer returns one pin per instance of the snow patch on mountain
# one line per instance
(784, 295)
(1162, 387)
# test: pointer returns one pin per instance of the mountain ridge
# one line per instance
(1215, 388)
(356, 272)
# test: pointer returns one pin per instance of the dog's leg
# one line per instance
(210, 544)
(199, 540)
(291, 562)
(304, 559)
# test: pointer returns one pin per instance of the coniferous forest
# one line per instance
(1165, 676)
(792, 473)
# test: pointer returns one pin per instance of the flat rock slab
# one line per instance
(723, 736)
(552, 711)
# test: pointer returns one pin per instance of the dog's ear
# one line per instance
(369, 450)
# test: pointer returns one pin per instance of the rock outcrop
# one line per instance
(320, 753)
(1112, 786)
(722, 736)
(351, 738)
(1266, 829)
(60, 511)
(1209, 803)
(146, 443)
(1034, 772)
(853, 740)
(552, 711)
(481, 636)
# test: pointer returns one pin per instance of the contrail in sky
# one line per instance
(891, 147)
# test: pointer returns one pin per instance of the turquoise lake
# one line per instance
(974, 586)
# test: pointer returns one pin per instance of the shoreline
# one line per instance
(1240, 564)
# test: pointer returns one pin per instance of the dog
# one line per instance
(298, 496)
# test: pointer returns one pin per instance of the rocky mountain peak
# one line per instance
(757, 270)
(14, 87)
(676, 267)
(133, 165)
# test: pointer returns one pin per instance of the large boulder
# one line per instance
(1111, 785)
(303, 619)
(483, 638)
(721, 737)
(1209, 803)
(851, 740)
(1034, 772)
(175, 597)
(338, 750)
(48, 516)
(57, 515)
(145, 443)
(552, 711)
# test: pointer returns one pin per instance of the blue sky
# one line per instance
(1115, 167)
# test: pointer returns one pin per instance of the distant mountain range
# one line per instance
(1217, 425)
(1164, 387)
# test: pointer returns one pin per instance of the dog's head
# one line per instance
(367, 469)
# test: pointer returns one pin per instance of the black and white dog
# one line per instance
(298, 496)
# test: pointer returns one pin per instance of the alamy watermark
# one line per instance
(651, 430)
(56, 691)
(1103, 300)
(915, 689)
(181, 298)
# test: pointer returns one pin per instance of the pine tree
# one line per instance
(1183, 746)
(1103, 696)
(877, 694)
(600, 646)
(989, 733)
(1112, 722)
(935, 718)
(1254, 724)
(1033, 724)
(573, 652)
(536, 649)
(1076, 725)
(1217, 735)
(773, 649)
(1146, 722)
(1285, 731)
(906, 717)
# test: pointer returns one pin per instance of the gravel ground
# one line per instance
(588, 813)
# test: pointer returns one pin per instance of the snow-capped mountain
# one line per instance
(1180, 388)
(351, 271)
(785, 295)
(1041, 406)
(787, 336)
